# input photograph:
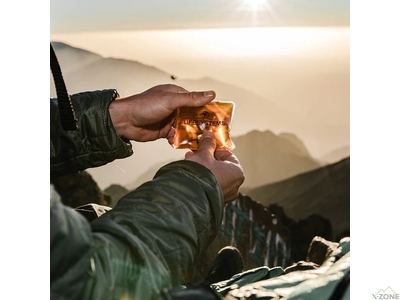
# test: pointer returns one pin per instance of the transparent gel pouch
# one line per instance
(191, 122)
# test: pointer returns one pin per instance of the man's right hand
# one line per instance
(150, 115)
(222, 163)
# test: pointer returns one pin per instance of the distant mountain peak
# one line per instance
(209, 81)
(289, 137)
(295, 141)
(60, 44)
(264, 132)
(268, 157)
(63, 46)
(206, 78)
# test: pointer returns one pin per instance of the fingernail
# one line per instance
(207, 135)
(209, 94)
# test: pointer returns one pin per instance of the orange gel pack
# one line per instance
(191, 122)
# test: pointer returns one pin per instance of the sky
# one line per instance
(100, 15)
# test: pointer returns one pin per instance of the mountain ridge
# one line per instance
(262, 165)
(335, 155)
(267, 157)
(325, 191)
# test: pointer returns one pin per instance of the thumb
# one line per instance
(189, 153)
(207, 143)
(192, 99)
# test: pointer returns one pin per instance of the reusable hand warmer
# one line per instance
(191, 122)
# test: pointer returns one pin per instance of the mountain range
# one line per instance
(267, 157)
(285, 132)
(324, 191)
(264, 156)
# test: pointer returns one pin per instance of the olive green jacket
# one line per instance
(149, 240)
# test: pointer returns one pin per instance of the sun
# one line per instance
(255, 5)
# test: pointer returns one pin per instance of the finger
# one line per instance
(168, 88)
(207, 143)
(232, 192)
(191, 99)
(171, 135)
(231, 196)
(226, 155)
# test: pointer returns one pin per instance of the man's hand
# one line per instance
(149, 116)
(222, 163)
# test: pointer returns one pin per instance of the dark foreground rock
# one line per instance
(80, 189)
(259, 235)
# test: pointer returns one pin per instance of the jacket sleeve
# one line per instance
(147, 242)
(94, 144)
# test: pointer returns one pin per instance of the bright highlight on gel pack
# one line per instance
(191, 122)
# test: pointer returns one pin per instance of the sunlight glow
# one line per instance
(255, 5)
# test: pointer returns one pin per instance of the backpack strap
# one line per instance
(65, 108)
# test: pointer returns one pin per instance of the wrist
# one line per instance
(118, 117)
